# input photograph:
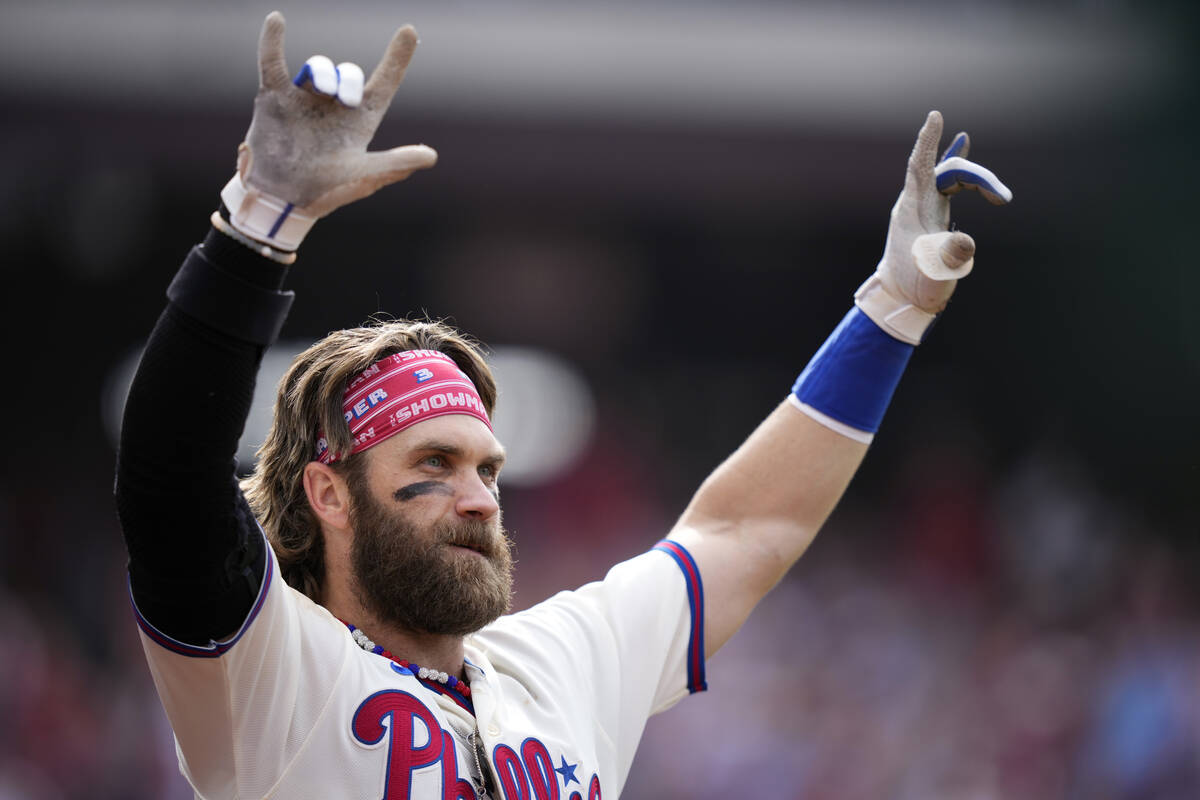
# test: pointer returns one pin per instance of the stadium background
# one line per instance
(655, 212)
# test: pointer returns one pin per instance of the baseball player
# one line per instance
(337, 626)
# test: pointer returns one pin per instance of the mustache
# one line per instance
(483, 537)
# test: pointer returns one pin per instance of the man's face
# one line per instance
(429, 553)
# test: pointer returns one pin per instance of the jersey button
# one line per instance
(493, 729)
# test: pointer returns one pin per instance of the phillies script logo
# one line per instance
(529, 775)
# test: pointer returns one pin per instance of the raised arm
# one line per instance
(758, 512)
(196, 557)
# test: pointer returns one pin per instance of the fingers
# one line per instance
(345, 81)
(319, 74)
(272, 67)
(390, 72)
(350, 84)
(924, 152)
(955, 174)
(958, 147)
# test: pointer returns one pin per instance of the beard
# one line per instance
(415, 578)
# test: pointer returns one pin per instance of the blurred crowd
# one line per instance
(1018, 641)
(958, 637)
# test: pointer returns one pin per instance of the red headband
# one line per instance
(402, 390)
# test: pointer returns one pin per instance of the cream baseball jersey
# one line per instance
(291, 707)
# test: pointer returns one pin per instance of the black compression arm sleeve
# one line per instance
(196, 558)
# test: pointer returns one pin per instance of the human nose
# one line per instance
(478, 500)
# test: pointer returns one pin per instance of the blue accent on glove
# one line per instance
(304, 76)
(967, 178)
(853, 376)
(321, 73)
(956, 147)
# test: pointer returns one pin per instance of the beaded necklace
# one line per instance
(481, 781)
(424, 673)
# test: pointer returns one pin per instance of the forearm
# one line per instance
(759, 511)
(195, 553)
(790, 470)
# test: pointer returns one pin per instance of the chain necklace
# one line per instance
(484, 779)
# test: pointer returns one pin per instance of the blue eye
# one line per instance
(487, 471)
(435, 461)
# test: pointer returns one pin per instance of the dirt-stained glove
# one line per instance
(305, 153)
(923, 260)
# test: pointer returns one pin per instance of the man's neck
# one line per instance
(436, 651)
(440, 652)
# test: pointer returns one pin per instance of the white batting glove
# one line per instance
(305, 153)
(923, 260)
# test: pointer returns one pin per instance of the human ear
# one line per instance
(328, 495)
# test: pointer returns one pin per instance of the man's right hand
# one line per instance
(305, 153)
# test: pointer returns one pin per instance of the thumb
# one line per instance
(400, 161)
(382, 168)
(944, 256)
(957, 251)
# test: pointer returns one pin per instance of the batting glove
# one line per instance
(923, 260)
(305, 153)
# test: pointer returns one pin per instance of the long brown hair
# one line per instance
(310, 399)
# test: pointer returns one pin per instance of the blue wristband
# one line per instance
(854, 374)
